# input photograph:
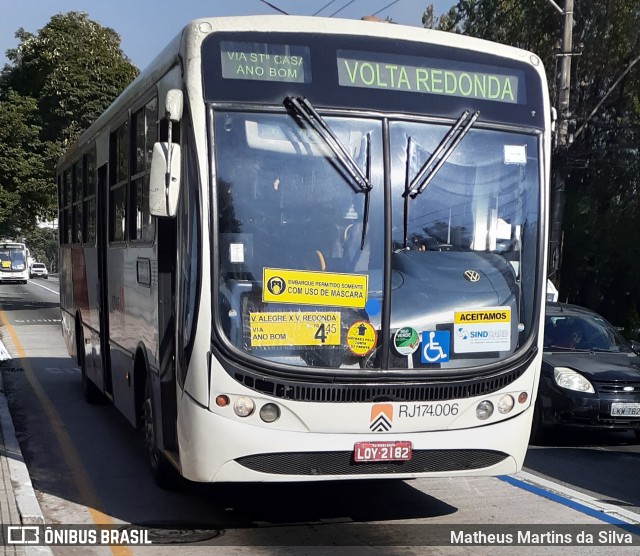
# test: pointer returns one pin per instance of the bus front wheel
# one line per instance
(164, 474)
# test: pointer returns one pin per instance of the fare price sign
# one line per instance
(271, 329)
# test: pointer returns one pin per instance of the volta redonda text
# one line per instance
(403, 77)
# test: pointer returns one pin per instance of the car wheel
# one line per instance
(163, 473)
(538, 430)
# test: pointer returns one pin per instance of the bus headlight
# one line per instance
(243, 407)
(505, 404)
(484, 410)
(571, 380)
(269, 412)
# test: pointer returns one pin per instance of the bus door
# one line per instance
(103, 293)
(166, 248)
(166, 326)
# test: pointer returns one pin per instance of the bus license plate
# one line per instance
(382, 451)
(625, 409)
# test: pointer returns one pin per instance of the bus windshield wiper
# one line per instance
(358, 180)
(302, 108)
(430, 168)
(440, 155)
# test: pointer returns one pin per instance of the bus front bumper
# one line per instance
(217, 449)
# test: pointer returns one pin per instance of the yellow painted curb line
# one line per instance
(80, 476)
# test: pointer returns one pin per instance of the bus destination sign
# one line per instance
(431, 76)
(265, 62)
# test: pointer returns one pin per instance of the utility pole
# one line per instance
(560, 166)
(565, 76)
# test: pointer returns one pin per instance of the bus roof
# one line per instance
(188, 42)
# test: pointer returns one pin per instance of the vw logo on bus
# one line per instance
(471, 275)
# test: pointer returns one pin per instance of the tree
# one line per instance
(57, 83)
(24, 185)
(74, 67)
(43, 244)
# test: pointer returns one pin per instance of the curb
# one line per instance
(23, 491)
(28, 505)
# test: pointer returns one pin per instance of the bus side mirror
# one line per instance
(173, 105)
(164, 179)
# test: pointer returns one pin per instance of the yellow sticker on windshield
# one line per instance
(314, 288)
(361, 338)
(295, 329)
(6, 264)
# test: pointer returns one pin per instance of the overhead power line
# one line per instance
(274, 7)
(325, 6)
(343, 7)
(387, 6)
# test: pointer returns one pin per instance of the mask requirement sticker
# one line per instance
(314, 288)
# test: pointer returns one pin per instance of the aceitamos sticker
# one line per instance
(482, 330)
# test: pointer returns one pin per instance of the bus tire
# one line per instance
(164, 474)
(92, 394)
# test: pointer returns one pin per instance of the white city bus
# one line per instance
(14, 262)
(314, 249)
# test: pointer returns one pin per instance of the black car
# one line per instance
(590, 374)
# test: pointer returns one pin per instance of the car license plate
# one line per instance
(625, 409)
(382, 451)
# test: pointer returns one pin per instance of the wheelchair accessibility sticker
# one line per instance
(435, 346)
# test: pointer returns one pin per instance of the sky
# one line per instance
(146, 26)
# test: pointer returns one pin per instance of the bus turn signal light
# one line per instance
(222, 400)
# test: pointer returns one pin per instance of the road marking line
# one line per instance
(44, 287)
(80, 476)
(608, 513)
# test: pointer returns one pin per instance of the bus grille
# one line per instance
(341, 463)
(367, 393)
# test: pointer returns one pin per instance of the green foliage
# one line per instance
(57, 83)
(26, 192)
(43, 244)
(74, 67)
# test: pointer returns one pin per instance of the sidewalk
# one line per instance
(18, 502)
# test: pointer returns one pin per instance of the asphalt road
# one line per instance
(88, 467)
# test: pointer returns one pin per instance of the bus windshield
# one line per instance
(299, 286)
(12, 257)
